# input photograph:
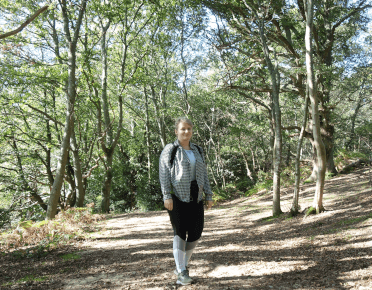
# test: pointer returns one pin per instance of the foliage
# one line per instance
(35, 239)
(166, 59)
(344, 157)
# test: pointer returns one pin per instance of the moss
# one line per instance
(310, 211)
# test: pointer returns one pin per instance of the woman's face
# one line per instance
(184, 132)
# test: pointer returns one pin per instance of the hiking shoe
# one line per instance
(184, 278)
(176, 271)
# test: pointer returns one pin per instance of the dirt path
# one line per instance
(241, 247)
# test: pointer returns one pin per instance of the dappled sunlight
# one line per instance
(242, 247)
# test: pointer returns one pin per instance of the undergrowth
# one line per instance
(344, 157)
(34, 239)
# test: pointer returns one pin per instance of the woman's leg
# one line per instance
(179, 240)
(194, 227)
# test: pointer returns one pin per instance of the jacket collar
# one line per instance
(177, 143)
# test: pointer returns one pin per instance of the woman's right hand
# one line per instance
(168, 203)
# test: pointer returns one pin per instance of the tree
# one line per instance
(27, 22)
(70, 97)
(312, 90)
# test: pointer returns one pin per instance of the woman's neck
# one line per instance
(185, 145)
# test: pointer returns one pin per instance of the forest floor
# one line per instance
(242, 247)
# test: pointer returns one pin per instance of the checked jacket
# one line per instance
(178, 175)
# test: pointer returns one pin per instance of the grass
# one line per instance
(355, 220)
(270, 218)
(28, 278)
(71, 256)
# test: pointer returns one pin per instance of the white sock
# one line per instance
(179, 253)
(189, 250)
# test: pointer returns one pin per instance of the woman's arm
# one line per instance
(164, 172)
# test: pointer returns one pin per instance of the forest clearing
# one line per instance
(242, 247)
(262, 108)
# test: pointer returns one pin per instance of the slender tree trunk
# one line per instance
(148, 136)
(249, 173)
(318, 143)
(108, 147)
(158, 115)
(355, 114)
(276, 120)
(71, 94)
(78, 176)
(48, 155)
(295, 205)
(26, 187)
(71, 196)
(106, 186)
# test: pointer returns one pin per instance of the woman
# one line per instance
(182, 169)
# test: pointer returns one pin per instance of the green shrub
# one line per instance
(149, 196)
(244, 185)
(267, 184)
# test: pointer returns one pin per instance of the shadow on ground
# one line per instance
(242, 247)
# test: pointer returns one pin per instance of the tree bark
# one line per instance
(71, 196)
(311, 87)
(355, 114)
(26, 187)
(78, 175)
(109, 145)
(106, 145)
(147, 125)
(70, 96)
(296, 193)
(249, 173)
(276, 120)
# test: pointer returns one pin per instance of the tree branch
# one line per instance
(28, 21)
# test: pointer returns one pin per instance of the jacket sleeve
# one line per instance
(207, 188)
(165, 172)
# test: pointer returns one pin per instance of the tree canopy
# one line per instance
(89, 91)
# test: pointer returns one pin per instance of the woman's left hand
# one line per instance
(209, 204)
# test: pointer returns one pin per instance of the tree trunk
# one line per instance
(106, 146)
(159, 116)
(249, 173)
(318, 143)
(355, 114)
(148, 136)
(106, 186)
(71, 196)
(26, 187)
(296, 193)
(70, 96)
(276, 120)
(78, 176)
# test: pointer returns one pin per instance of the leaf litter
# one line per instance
(242, 247)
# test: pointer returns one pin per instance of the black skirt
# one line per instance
(187, 218)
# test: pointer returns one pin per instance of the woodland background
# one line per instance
(89, 91)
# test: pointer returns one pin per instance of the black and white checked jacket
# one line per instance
(179, 175)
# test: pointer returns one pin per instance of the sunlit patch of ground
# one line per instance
(241, 248)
